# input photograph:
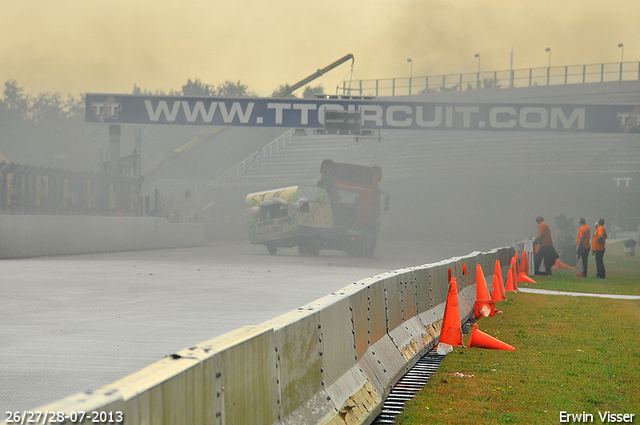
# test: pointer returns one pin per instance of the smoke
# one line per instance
(443, 36)
(74, 47)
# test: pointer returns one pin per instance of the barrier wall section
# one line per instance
(332, 361)
(40, 235)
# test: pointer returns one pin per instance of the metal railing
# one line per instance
(264, 153)
(545, 76)
(25, 189)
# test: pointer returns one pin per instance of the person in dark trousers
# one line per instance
(584, 245)
(597, 247)
(546, 251)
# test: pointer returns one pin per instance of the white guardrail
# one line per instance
(332, 361)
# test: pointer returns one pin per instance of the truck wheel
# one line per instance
(369, 244)
(313, 249)
(355, 249)
(302, 249)
(272, 249)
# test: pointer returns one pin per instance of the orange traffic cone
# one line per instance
(524, 264)
(514, 274)
(523, 278)
(498, 289)
(451, 332)
(523, 275)
(482, 292)
(510, 286)
(498, 271)
(482, 340)
(560, 265)
(483, 306)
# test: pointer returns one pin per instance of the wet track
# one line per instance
(74, 323)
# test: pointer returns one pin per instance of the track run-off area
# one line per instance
(75, 323)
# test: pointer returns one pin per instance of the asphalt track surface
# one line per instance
(69, 324)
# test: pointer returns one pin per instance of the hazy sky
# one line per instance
(78, 46)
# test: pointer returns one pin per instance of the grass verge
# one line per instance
(579, 355)
(623, 275)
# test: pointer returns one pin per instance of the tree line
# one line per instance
(17, 106)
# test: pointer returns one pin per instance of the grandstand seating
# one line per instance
(405, 153)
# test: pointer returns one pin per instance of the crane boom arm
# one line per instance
(288, 90)
(209, 133)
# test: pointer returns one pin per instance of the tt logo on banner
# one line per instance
(629, 120)
(109, 109)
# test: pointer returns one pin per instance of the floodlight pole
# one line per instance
(621, 58)
(477, 55)
(548, 49)
(410, 73)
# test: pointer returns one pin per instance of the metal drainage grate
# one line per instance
(412, 382)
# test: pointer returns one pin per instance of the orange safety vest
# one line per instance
(584, 234)
(600, 232)
(544, 230)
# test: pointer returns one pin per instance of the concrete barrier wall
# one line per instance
(332, 361)
(40, 235)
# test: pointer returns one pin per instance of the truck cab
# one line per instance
(355, 199)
